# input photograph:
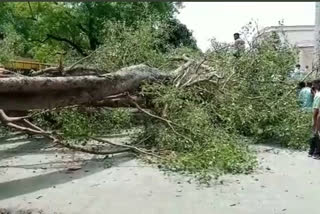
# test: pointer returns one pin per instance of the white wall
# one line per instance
(295, 37)
(305, 57)
(301, 36)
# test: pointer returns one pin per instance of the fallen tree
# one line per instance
(193, 111)
(46, 91)
(51, 92)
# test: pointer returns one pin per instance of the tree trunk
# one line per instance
(20, 93)
(25, 93)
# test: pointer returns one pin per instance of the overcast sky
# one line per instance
(222, 19)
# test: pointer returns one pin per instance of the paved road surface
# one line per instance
(33, 176)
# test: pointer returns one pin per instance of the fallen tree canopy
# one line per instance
(195, 112)
(189, 110)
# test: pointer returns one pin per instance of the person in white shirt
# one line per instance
(297, 73)
(307, 69)
(239, 45)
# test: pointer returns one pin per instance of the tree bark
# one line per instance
(26, 93)
(20, 93)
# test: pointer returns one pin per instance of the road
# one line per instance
(49, 180)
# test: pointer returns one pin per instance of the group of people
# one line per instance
(309, 100)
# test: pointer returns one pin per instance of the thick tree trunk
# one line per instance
(25, 93)
(20, 93)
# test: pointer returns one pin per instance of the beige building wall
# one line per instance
(305, 57)
(301, 36)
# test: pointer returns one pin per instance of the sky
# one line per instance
(222, 19)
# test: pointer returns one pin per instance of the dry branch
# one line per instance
(33, 129)
(168, 122)
(132, 148)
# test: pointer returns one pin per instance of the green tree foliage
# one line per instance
(124, 46)
(49, 28)
(177, 35)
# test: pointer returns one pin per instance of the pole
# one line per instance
(316, 54)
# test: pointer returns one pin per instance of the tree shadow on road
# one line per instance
(31, 184)
(62, 173)
(12, 139)
(29, 146)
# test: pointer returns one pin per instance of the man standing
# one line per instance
(305, 97)
(315, 141)
(306, 70)
(297, 68)
(239, 45)
(297, 74)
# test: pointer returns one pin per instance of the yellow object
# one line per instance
(25, 65)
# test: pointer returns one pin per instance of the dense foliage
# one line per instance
(48, 29)
(255, 100)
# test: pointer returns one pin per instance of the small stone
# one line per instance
(268, 168)
(232, 205)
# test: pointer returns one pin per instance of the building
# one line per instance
(301, 36)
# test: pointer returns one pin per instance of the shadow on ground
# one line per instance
(28, 147)
(61, 175)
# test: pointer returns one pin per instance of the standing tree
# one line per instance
(51, 27)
